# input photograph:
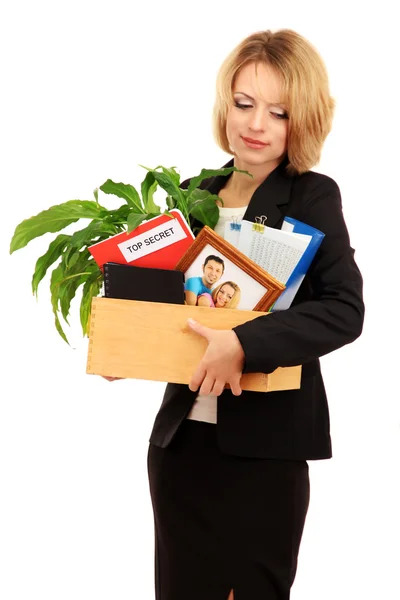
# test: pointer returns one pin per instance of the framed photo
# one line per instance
(218, 275)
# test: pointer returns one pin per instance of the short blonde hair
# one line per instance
(234, 301)
(305, 91)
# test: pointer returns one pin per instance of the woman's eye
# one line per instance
(280, 115)
(242, 106)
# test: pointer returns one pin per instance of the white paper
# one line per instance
(231, 235)
(276, 251)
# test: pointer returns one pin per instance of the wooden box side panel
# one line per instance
(151, 340)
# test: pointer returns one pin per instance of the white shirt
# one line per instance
(205, 407)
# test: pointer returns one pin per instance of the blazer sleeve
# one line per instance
(332, 313)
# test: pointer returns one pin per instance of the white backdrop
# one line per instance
(89, 92)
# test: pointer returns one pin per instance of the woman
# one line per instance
(225, 295)
(228, 470)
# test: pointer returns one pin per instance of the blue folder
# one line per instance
(297, 276)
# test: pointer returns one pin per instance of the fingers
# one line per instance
(111, 378)
(197, 378)
(217, 388)
(200, 329)
(221, 364)
(206, 382)
(235, 386)
(210, 386)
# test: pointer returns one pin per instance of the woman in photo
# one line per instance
(228, 470)
(225, 295)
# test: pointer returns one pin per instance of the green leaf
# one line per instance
(88, 235)
(173, 174)
(118, 216)
(169, 180)
(53, 219)
(199, 195)
(134, 221)
(206, 211)
(59, 328)
(171, 203)
(65, 282)
(56, 277)
(125, 191)
(91, 289)
(70, 257)
(75, 274)
(54, 252)
(206, 173)
(168, 184)
(148, 187)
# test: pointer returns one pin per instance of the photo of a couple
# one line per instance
(217, 275)
(203, 291)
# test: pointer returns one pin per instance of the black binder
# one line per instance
(128, 282)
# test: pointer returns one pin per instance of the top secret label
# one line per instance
(155, 239)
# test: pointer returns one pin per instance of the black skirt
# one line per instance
(224, 522)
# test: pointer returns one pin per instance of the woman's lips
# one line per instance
(257, 144)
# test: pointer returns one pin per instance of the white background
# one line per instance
(89, 92)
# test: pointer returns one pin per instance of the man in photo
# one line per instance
(213, 269)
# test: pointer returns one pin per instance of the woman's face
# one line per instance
(224, 296)
(257, 124)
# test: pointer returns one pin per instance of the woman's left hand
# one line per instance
(221, 364)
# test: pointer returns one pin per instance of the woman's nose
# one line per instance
(258, 120)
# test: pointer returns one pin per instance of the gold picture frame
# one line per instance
(259, 290)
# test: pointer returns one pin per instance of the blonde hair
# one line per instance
(305, 89)
(234, 301)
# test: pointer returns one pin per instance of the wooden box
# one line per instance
(152, 340)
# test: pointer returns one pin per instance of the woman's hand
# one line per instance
(221, 364)
(111, 378)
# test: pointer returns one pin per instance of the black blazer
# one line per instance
(327, 313)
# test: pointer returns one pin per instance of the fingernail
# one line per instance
(192, 321)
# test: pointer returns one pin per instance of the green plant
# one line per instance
(73, 265)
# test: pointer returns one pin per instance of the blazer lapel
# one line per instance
(271, 198)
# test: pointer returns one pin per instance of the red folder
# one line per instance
(158, 243)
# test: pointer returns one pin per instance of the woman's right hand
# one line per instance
(111, 378)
